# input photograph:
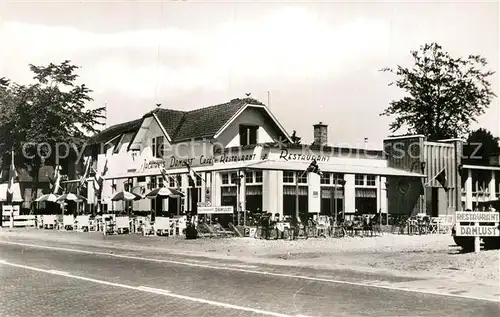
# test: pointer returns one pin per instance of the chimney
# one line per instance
(321, 134)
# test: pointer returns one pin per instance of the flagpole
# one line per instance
(297, 198)
(427, 184)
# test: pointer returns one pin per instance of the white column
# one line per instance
(203, 187)
(350, 193)
(378, 184)
(184, 189)
(468, 190)
(278, 190)
(243, 196)
(383, 195)
(272, 191)
(267, 184)
(216, 189)
(492, 186)
(314, 193)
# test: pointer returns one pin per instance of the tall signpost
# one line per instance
(477, 230)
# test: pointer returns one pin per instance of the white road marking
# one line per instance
(152, 290)
(55, 272)
(243, 266)
(225, 268)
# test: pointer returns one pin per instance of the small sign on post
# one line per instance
(216, 210)
(477, 230)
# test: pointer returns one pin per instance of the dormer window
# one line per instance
(157, 147)
(248, 134)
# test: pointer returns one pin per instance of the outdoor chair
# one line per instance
(376, 230)
(338, 231)
(445, 224)
(322, 231)
(434, 225)
(368, 229)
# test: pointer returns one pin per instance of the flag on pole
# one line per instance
(86, 171)
(314, 168)
(167, 177)
(192, 175)
(12, 175)
(441, 178)
(99, 177)
(56, 181)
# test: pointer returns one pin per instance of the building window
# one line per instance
(198, 181)
(249, 178)
(370, 180)
(258, 176)
(325, 178)
(153, 183)
(359, 180)
(248, 135)
(171, 181)
(225, 178)
(288, 177)
(338, 178)
(234, 178)
(157, 147)
(160, 182)
(302, 177)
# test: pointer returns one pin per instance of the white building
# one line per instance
(241, 137)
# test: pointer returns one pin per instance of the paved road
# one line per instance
(50, 282)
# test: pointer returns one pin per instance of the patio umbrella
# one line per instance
(71, 197)
(164, 192)
(47, 197)
(125, 196)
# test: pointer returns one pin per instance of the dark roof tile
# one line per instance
(170, 119)
(205, 122)
(115, 130)
(182, 125)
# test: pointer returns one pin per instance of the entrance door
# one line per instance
(173, 206)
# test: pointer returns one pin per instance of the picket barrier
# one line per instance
(20, 221)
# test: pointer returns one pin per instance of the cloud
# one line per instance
(287, 44)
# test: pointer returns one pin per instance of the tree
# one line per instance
(480, 146)
(444, 94)
(50, 111)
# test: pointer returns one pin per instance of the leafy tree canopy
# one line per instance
(52, 110)
(444, 94)
(480, 146)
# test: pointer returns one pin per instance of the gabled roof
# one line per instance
(185, 125)
(206, 122)
(115, 130)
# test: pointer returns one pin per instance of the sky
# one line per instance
(312, 61)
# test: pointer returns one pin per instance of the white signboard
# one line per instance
(478, 231)
(468, 216)
(122, 222)
(216, 210)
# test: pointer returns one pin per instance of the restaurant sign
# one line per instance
(285, 155)
(216, 210)
(173, 162)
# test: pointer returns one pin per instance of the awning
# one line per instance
(332, 168)
(16, 196)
